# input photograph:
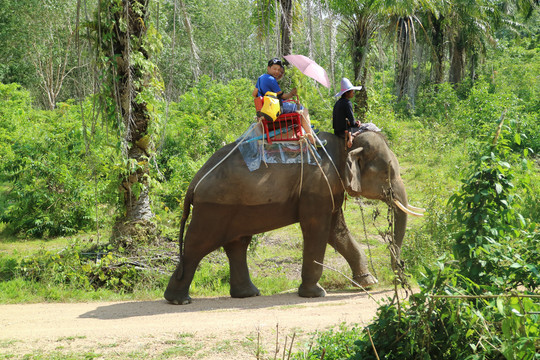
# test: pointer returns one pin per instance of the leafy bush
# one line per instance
(490, 235)
(333, 344)
(8, 267)
(441, 323)
(45, 168)
(74, 267)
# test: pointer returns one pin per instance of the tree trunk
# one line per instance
(457, 61)
(277, 29)
(405, 38)
(362, 30)
(473, 65)
(136, 225)
(286, 27)
(437, 43)
(360, 46)
(310, 28)
(195, 60)
(361, 100)
(331, 45)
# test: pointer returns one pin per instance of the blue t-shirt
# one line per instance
(265, 83)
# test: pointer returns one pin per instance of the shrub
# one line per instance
(45, 169)
(490, 233)
(80, 269)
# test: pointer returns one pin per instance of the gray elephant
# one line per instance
(231, 203)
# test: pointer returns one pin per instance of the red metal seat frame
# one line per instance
(286, 127)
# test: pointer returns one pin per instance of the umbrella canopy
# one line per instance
(309, 68)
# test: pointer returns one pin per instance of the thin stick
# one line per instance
(372, 344)
(290, 348)
(258, 344)
(285, 347)
(348, 278)
(499, 128)
(277, 341)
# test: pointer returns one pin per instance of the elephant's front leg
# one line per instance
(316, 232)
(342, 240)
(241, 285)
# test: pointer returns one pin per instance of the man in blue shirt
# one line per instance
(268, 82)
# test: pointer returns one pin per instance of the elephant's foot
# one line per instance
(365, 280)
(178, 300)
(177, 297)
(176, 293)
(311, 291)
(244, 291)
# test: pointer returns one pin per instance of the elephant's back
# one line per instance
(226, 179)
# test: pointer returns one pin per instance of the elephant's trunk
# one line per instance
(400, 225)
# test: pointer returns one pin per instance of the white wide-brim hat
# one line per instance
(346, 85)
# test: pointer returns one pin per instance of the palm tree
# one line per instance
(120, 41)
(360, 20)
(264, 13)
(435, 29)
(404, 22)
(469, 27)
(286, 26)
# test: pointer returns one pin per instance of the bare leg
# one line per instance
(306, 125)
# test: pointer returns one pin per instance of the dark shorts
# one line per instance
(352, 130)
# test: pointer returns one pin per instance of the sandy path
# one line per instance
(210, 328)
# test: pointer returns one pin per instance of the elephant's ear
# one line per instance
(352, 173)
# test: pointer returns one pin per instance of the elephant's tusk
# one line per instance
(415, 209)
(405, 210)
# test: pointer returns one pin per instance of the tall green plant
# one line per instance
(489, 226)
(47, 189)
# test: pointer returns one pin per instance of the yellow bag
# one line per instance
(271, 107)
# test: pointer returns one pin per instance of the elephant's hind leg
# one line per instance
(241, 285)
(177, 291)
(197, 245)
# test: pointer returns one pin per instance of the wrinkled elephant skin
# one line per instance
(230, 204)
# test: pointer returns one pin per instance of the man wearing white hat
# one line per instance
(342, 116)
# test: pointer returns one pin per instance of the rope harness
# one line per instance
(303, 141)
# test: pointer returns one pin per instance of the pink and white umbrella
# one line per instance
(309, 68)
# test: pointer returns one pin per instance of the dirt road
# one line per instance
(209, 328)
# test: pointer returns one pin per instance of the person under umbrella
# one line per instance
(268, 82)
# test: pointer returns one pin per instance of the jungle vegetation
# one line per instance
(109, 107)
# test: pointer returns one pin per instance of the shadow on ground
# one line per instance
(157, 307)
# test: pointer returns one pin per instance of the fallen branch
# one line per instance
(484, 296)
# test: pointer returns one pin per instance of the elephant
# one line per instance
(230, 204)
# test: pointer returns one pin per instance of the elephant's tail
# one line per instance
(188, 200)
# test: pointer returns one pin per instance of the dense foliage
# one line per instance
(46, 168)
